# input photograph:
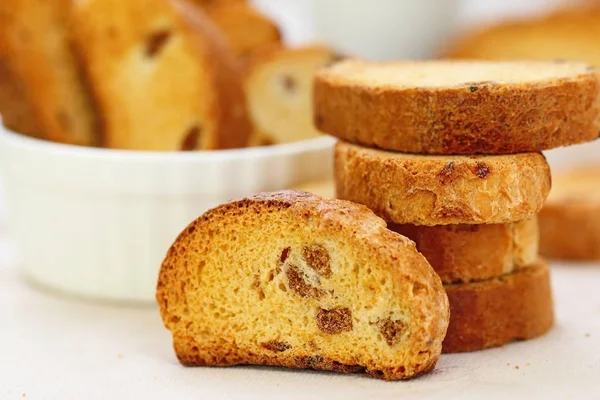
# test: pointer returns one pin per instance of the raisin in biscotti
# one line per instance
(570, 219)
(279, 86)
(464, 253)
(164, 79)
(247, 30)
(45, 72)
(291, 279)
(454, 107)
(442, 190)
(498, 311)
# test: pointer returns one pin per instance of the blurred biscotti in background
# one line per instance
(570, 219)
(247, 30)
(14, 107)
(44, 72)
(163, 75)
(572, 33)
(279, 86)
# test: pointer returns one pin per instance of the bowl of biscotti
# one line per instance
(124, 120)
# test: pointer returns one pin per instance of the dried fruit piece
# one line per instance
(298, 284)
(392, 330)
(317, 258)
(156, 42)
(276, 346)
(334, 321)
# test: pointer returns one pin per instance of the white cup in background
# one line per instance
(386, 29)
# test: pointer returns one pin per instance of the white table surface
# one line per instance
(58, 348)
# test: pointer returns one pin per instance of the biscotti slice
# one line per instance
(163, 76)
(464, 253)
(441, 190)
(279, 86)
(46, 71)
(247, 30)
(459, 107)
(498, 311)
(569, 34)
(291, 279)
(570, 219)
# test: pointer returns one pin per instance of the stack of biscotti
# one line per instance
(449, 153)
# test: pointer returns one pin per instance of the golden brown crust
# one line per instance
(464, 253)
(442, 190)
(570, 219)
(463, 118)
(265, 314)
(37, 41)
(492, 313)
(202, 106)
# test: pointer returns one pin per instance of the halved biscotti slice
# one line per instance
(442, 190)
(459, 107)
(279, 86)
(162, 74)
(247, 30)
(570, 219)
(46, 72)
(498, 311)
(464, 253)
(294, 280)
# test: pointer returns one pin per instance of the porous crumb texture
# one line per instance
(491, 313)
(465, 253)
(51, 99)
(459, 107)
(570, 219)
(246, 30)
(279, 86)
(130, 51)
(442, 190)
(291, 279)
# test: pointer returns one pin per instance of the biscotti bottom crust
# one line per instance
(466, 253)
(498, 311)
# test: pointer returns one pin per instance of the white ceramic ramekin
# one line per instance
(97, 223)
